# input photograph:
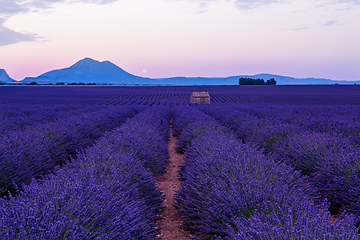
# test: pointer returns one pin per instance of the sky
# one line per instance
(167, 38)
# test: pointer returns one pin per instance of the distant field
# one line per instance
(147, 95)
(261, 162)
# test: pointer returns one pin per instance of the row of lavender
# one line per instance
(321, 142)
(231, 190)
(78, 101)
(25, 115)
(127, 95)
(326, 118)
(19, 116)
(107, 192)
(34, 151)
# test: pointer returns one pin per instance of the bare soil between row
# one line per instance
(168, 183)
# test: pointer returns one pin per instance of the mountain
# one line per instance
(92, 71)
(89, 71)
(283, 80)
(4, 77)
(234, 80)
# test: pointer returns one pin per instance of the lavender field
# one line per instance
(261, 162)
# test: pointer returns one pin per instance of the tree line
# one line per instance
(258, 81)
(61, 83)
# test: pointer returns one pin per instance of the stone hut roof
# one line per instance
(200, 94)
(200, 97)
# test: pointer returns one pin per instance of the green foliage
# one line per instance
(32, 83)
(271, 82)
(258, 81)
(251, 81)
(81, 83)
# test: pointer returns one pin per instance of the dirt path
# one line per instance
(168, 183)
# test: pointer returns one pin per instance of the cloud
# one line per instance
(202, 4)
(300, 29)
(8, 36)
(250, 4)
(9, 8)
(101, 2)
(330, 23)
(245, 5)
(345, 4)
(354, 2)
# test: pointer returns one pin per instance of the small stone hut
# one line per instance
(200, 97)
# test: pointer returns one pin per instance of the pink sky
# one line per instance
(184, 37)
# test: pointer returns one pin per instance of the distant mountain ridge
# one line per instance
(234, 80)
(88, 71)
(4, 77)
(91, 71)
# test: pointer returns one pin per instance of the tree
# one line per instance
(60, 83)
(32, 83)
(1, 83)
(271, 82)
(251, 81)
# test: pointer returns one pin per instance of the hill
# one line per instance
(4, 77)
(92, 71)
(89, 71)
(234, 80)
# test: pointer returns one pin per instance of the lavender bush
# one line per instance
(31, 153)
(144, 136)
(105, 193)
(17, 116)
(251, 127)
(329, 158)
(100, 196)
(331, 161)
(231, 190)
(183, 115)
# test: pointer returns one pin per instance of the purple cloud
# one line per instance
(355, 2)
(9, 8)
(253, 4)
(8, 36)
(330, 23)
(250, 4)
